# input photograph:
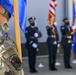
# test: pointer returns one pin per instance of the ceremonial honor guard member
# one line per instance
(52, 42)
(66, 31)
(32, 34)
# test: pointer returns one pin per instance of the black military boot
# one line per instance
(33, 71)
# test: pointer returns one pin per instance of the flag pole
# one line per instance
(17, 28)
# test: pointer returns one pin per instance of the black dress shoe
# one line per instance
(68, 67)
(53, 69)
(33, 71)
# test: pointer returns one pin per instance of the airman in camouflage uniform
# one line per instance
(10, 63)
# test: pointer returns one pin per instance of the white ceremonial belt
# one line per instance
(69, 41)
(53, 36)
(69, 37)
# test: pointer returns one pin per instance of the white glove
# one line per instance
(36, 34)
(73, 27)
(72, 45)
(34, 45)
(58, 45)
(55, 23)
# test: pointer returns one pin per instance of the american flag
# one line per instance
(52, 11)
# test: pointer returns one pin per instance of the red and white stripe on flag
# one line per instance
(52, 8)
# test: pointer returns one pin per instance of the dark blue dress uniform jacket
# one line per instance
(30, 38)
(66, 31)
(49, 33)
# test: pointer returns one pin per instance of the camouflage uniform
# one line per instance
(10, 63)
